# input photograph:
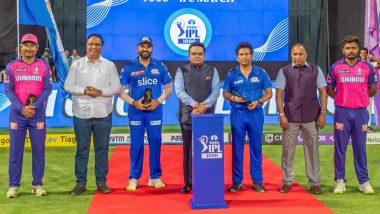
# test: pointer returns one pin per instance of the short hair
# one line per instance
(95, 35)
(197, 44)
(364, 49)
(298, 45)
(350, 39)
(244, 45)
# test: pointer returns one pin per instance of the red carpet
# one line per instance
(149, 200)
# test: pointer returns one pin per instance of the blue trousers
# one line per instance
(251, 122)
(351, 123)
(18, 124)
(100, 128)
(152, 122)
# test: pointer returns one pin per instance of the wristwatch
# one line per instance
(258, 101)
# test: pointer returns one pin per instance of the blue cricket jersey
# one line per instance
(252, 88)
(137, 77)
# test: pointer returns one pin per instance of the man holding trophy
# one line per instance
(144, 77)
(247, 87)
(27, 85)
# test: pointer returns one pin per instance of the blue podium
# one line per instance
(208, 162)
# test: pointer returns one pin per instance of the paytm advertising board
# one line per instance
(59, 112)
(174, 24)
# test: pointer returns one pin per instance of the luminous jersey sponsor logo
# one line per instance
(155, 122)
(20, 69)
(186, 26)
(28, 78)
(344, 71)
(236, 82)
(134, 123)
(351, 79)
(155, 71)
(40, 125)
(147, 81)
(136, 73)
(211, 147)
(255, 79)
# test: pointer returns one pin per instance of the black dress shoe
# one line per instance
(78, 189)
(104, 189)
(186, 189)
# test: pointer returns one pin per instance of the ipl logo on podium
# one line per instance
(184, 27)
(211, 147)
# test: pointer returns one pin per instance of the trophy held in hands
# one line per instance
(246, 101)
(31, 99)
(147, 96)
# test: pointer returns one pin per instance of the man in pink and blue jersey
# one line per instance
(27, 86)
(351, 82)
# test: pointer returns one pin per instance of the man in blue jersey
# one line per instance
(247, 87)
(144, 77)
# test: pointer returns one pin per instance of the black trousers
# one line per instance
(187, 133)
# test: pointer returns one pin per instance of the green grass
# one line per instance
(59, 179)
(352, 201)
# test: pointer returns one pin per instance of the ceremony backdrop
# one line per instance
(174, 24)
(59, 112)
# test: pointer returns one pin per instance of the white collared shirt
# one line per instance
(102, 75)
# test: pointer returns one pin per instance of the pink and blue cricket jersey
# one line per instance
(23, 80)
(351, 84)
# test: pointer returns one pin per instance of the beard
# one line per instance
(145, 54)
(351, 56)
(29, 54)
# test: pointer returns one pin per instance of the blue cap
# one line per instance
(145, 39)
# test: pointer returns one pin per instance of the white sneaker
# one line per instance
(340, 186)
(13, 192)
(156, 183)
(366, 188)
(132, 184)
(39, 190)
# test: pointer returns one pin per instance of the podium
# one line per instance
(208, 162)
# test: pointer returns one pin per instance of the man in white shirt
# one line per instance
(92, 81)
